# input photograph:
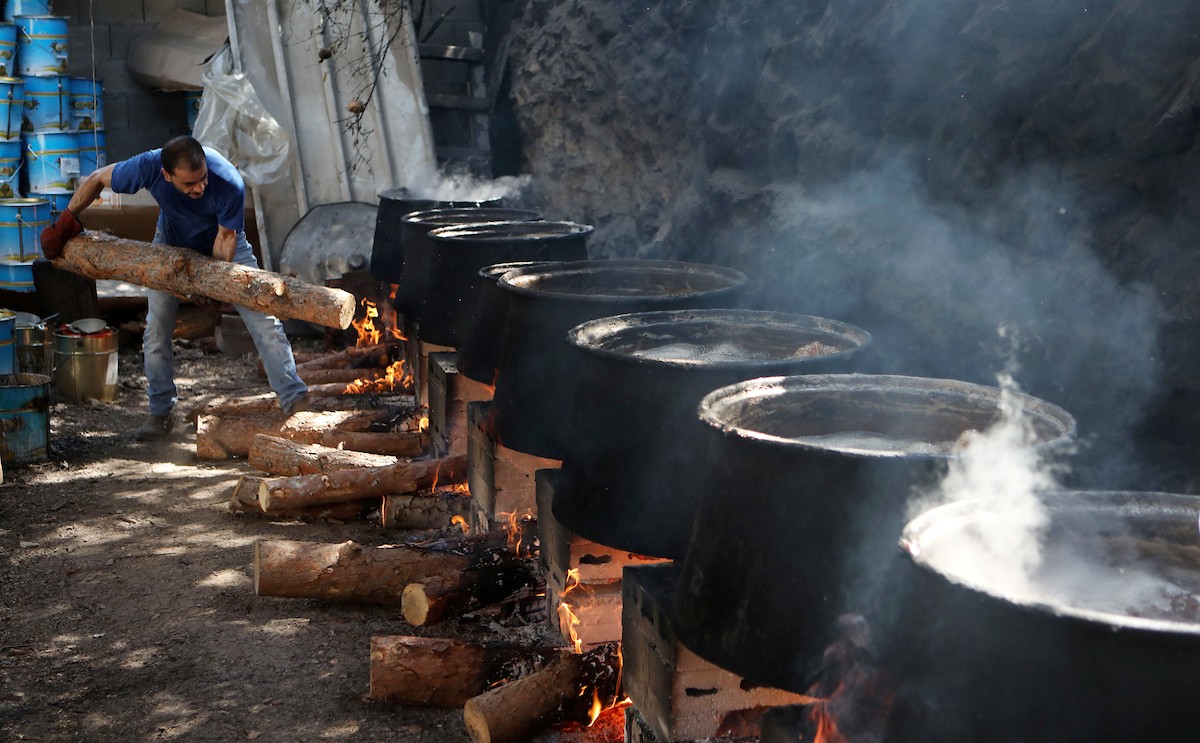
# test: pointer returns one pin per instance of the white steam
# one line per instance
(469, 188)
(1002, 464)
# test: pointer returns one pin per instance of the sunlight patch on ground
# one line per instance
(344, 730)
(139, 658)
(227, 578)
(284, 627)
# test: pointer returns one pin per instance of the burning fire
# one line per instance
(515, 529)
(858, 705)
(566, 618)
(423, 424)
(461, 523)
(370, 334)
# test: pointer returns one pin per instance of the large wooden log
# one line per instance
(347, 571)
(225, 437)
(322, 397)
(334, 376)
(185, 273)
(379, 355)
(354, 484)
(434, 598)
(517, 710)
(424, 510)
(441, 672)
(279, 456)
(244, 499)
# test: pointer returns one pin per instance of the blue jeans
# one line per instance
(266, 331)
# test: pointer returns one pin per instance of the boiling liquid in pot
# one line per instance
(871, 442)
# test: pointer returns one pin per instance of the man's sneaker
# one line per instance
(155, 427)
(299, 405)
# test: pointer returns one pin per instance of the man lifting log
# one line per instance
(201, 199)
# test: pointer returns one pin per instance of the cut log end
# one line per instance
(476, 722)
(347, 308)
(414, 604)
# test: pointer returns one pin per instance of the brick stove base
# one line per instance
(501, 480)
(677, 694)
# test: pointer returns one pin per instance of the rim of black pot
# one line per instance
(716, 407)
(496, 270)
(455, 216)
(523, 281)
(941, 519)
(511, 231)
(598, 336)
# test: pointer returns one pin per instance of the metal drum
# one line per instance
(21, 224)
(8, 359)
(91, 152)
(33, 349)
(24, 418)
(47, 104)
(193, 99)
(52, 159)
(14, 8)
(58, 202)
(87, 111)
(41, 45)
(17, 276)
(12, 108)
(10, 169)
(85, 366)
(8, 50)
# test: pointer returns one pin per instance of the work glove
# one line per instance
(56, 235)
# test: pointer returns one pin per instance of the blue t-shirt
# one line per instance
(182, 220)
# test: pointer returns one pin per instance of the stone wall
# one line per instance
(984, 186)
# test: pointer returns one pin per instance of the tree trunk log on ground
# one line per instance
(322, 397)
(333, 376)
(516, 711)
(284, 457)
(345, 572)
(244, 499)
(452, 594)
(379, 355)
(439, 672)
(343, 485)
(225, 437)
(421, 511)
(184, 272)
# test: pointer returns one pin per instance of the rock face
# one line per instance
(983, 186)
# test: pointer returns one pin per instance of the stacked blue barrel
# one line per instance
(51, 133)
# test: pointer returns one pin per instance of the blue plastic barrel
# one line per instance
(8, 349)
(24, 418)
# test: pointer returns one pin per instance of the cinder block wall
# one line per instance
(101, 31)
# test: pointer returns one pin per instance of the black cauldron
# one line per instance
(1100, 642)
(479, 351)
(387, 249)
(458, 252)
(807, 482)
(536, 374)
(417, 278)
(629, 476)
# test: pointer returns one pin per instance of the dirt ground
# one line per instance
(128, 610)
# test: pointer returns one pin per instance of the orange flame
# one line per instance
(461, 523)
(423, 424)
(596, 708)
(516, 535)
(368, 334)
(395, 377)
(567, 619)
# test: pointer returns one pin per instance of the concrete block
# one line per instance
(116, 11)
(122, 32)
(83, 41)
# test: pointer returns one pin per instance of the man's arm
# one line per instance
(67, 226)
(225, 244)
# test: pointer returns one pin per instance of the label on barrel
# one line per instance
(110, 374)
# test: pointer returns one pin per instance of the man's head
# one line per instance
(184, 166)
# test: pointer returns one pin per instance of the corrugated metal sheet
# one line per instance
(374, 60)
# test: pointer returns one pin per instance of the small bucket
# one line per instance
(11, 161)
(21, 225)
(41, 44)
(17, 276)
(85, 366)
(24, 418)
(87, 111)
(14, 8)
(47, 104)
(8, 50)
(8, 356)
(91, 152)
(52, 159)
(33, 351)
(12, 108)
